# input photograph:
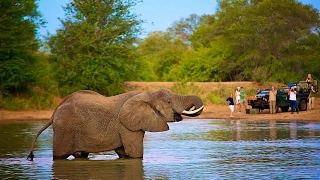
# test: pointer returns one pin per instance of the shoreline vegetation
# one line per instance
(101, 49)
(212, 93)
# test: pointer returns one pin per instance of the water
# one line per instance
(191, 149)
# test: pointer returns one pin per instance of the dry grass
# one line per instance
(209, 92)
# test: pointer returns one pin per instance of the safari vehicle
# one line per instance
(261, 100)
(303, 91)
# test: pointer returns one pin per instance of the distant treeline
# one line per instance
(98, 48)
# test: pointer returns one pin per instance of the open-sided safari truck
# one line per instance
(303, 90)
(261, 100)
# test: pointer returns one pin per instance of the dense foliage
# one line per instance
(97, 48)
(262, 40)
(19, 21)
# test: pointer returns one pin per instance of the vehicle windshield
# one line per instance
(264, 92)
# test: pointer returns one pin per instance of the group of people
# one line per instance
(240, 98)
(293, 96)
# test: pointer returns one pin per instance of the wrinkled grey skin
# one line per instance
(87, 122)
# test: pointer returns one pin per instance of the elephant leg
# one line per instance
(121, 153)
(62, 146)
(133, 143)
(80, 154)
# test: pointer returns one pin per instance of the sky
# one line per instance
(158, 14)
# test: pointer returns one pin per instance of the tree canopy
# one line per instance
(95, 48)
(261, 40)
(270, 39)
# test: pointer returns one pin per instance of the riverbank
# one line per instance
(211, 111)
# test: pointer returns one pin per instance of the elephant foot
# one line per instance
(121, 153)
(80, 154)
(61, 157)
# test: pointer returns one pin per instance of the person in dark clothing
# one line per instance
(231, 104)
(311, 98)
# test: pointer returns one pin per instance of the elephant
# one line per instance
(88, 122)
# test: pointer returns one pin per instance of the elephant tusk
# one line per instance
(192, 112)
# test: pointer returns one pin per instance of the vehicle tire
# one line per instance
(284, 108)
(303, 105)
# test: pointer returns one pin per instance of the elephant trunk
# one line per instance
(193, 101)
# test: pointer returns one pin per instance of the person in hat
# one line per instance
(238, 99)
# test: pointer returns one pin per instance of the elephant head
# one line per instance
(150, 111)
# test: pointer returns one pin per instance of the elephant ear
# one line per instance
(138, 113)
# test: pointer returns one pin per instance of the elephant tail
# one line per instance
(31, 155)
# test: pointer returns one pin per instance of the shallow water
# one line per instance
(191, 149)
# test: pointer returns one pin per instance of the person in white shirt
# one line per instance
(293, 100)
(238, 99)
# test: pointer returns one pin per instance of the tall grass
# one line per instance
(217, 96)
(188, 89)
(220, 94)
(36, 100)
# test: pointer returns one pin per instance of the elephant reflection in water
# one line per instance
(87, 122)
(98, 169)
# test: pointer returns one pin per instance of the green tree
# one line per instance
(95, 48)
(162, 51)
(313, 64)
(204, 34)
(19, 21)
(200, 65)
(185, 27)
(269, 38)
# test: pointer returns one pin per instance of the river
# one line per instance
(191, 149)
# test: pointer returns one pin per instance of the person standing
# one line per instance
(293, 100)
(272, 100)
(231, 104)
(309, 80)
(258, 90)
(311, 98)
(238, 95)
(242, 98)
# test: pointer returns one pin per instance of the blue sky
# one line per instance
(158, 14)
